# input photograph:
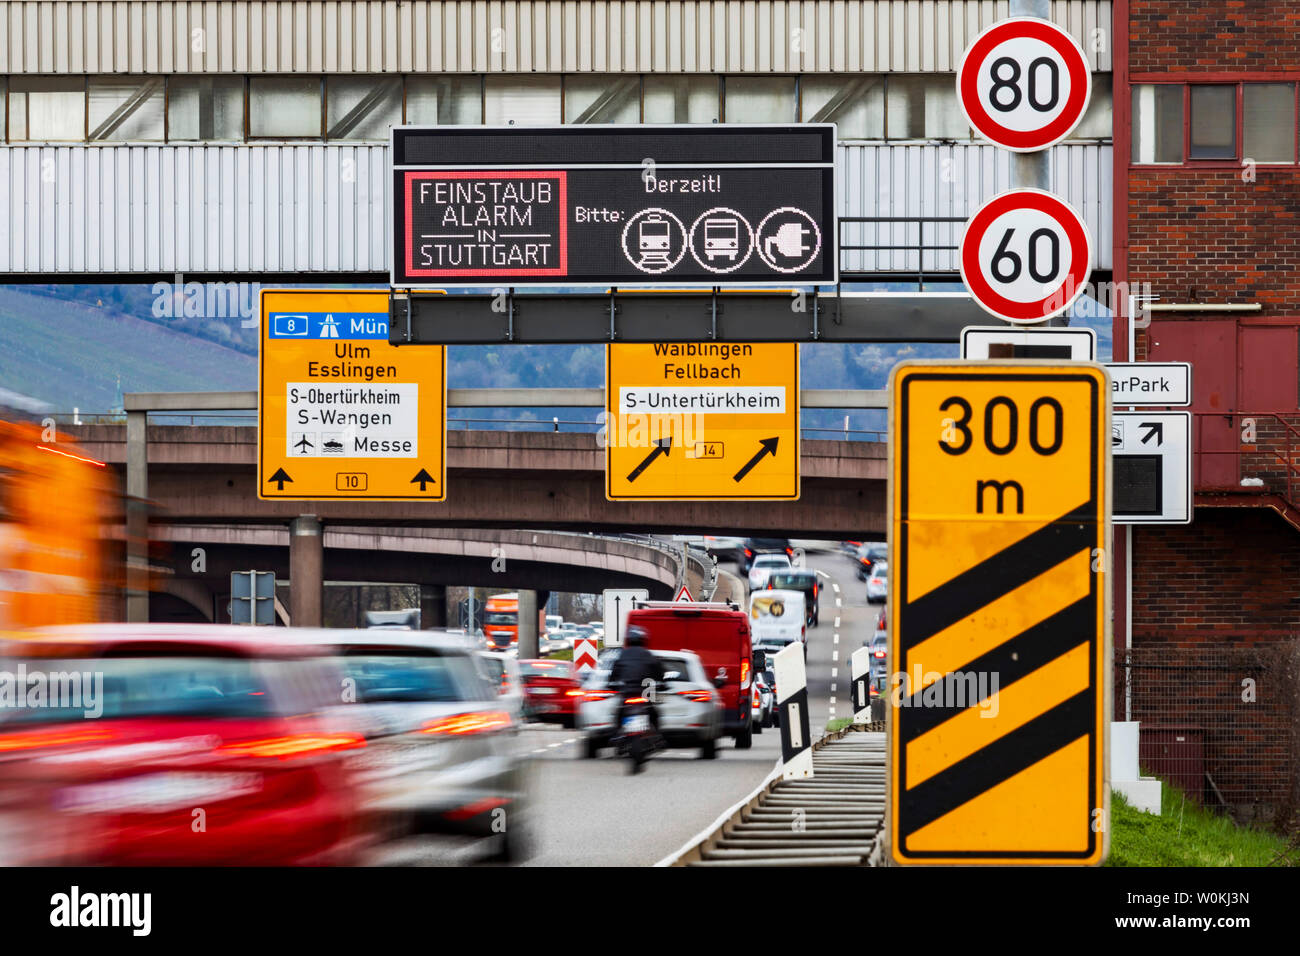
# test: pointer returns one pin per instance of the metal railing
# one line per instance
(918, 247)
(1268, 462)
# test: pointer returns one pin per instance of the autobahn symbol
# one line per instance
(1024, 84)
(999, 614)
(1025, 256)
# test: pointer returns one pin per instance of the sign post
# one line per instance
(341, 413)
(999, 613)
(702, 421)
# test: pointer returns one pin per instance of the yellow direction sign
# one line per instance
(702, 421)
(999, 613)
(341, 413)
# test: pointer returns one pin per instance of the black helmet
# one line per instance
(635, 636)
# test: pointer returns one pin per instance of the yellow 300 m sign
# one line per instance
(999, 613)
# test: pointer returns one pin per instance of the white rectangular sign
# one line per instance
(1151, 467)
(1150, 383)
(617, 603)
(352, 420)
(1071, 345)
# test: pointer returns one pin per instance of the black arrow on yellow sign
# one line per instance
(280, 477)
(424, 478)
(662, 447)
(768, 448)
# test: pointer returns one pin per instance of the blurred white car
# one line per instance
(777, 617)
(762, 568)
(878, 583)
(763, 703)
(501, 670)
(688, 705)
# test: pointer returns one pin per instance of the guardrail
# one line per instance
(830, 819)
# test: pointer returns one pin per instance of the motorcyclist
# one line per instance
(636, 669)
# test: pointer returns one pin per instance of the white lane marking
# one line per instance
(832, 688)
(558, 743)
(823, 574)
(832, 701)
(837, 638)
(835, 672)
(540, 750)
(839, 602)
(837, 621)
(835, 586)
(572, 740)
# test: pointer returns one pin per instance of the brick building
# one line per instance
(1207, 211)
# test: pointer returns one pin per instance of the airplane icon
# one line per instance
(304, 444)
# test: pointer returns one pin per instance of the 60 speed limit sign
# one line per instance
(1026, 255)
(1024, 84)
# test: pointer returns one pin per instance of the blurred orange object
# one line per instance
(54, 501)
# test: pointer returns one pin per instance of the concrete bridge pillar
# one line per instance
(528, 649)
(433, 606)
(306, 571)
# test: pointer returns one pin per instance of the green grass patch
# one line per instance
(1184, 834)
(564, 655)
(839, 723)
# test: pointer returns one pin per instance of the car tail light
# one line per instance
(32, 740)
(803, 631)
(789, 551)
(696, 696)
(816, 586)
(744, 672)
(594, 695)
(292, 745)
(477, 722)
(748, 553)
(636, 700)
(573, 693)
(878, 654)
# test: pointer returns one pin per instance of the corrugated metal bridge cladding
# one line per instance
(322, 207)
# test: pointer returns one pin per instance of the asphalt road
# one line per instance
(595, 813)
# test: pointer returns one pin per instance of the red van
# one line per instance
(719, 634)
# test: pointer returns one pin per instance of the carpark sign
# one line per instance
(1024, 84)
(999, 613)
(1026, 255)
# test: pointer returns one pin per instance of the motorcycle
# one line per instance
(639, 739)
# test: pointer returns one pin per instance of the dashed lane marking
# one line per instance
(835, 655)
(837, 620)
(835, 672)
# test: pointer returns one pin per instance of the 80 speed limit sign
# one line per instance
(1024, 84)
(1026, 255)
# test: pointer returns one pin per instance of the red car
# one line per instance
(551, 691)
(182, 745)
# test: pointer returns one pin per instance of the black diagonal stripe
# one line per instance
(1000, 574)
(989, 766)
(1010, 661)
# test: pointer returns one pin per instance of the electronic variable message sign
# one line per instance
(719, 206)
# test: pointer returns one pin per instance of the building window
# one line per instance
(602, 99)
(1097, 122)
(1158, 123)
(1268, 122)
(284, 107)
(362, 107)
(521, 100)
(693, 98)
(125, 109)
(444, 100)
(923, 106)
(856, 104)
(760, 99)
(205, 108)
(47, 109)
(1213, 122)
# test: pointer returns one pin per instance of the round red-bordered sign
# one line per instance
(1027, 42)
(1026, 255)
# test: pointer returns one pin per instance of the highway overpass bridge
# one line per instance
(190, 476)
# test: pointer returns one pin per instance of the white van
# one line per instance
(777, 617)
